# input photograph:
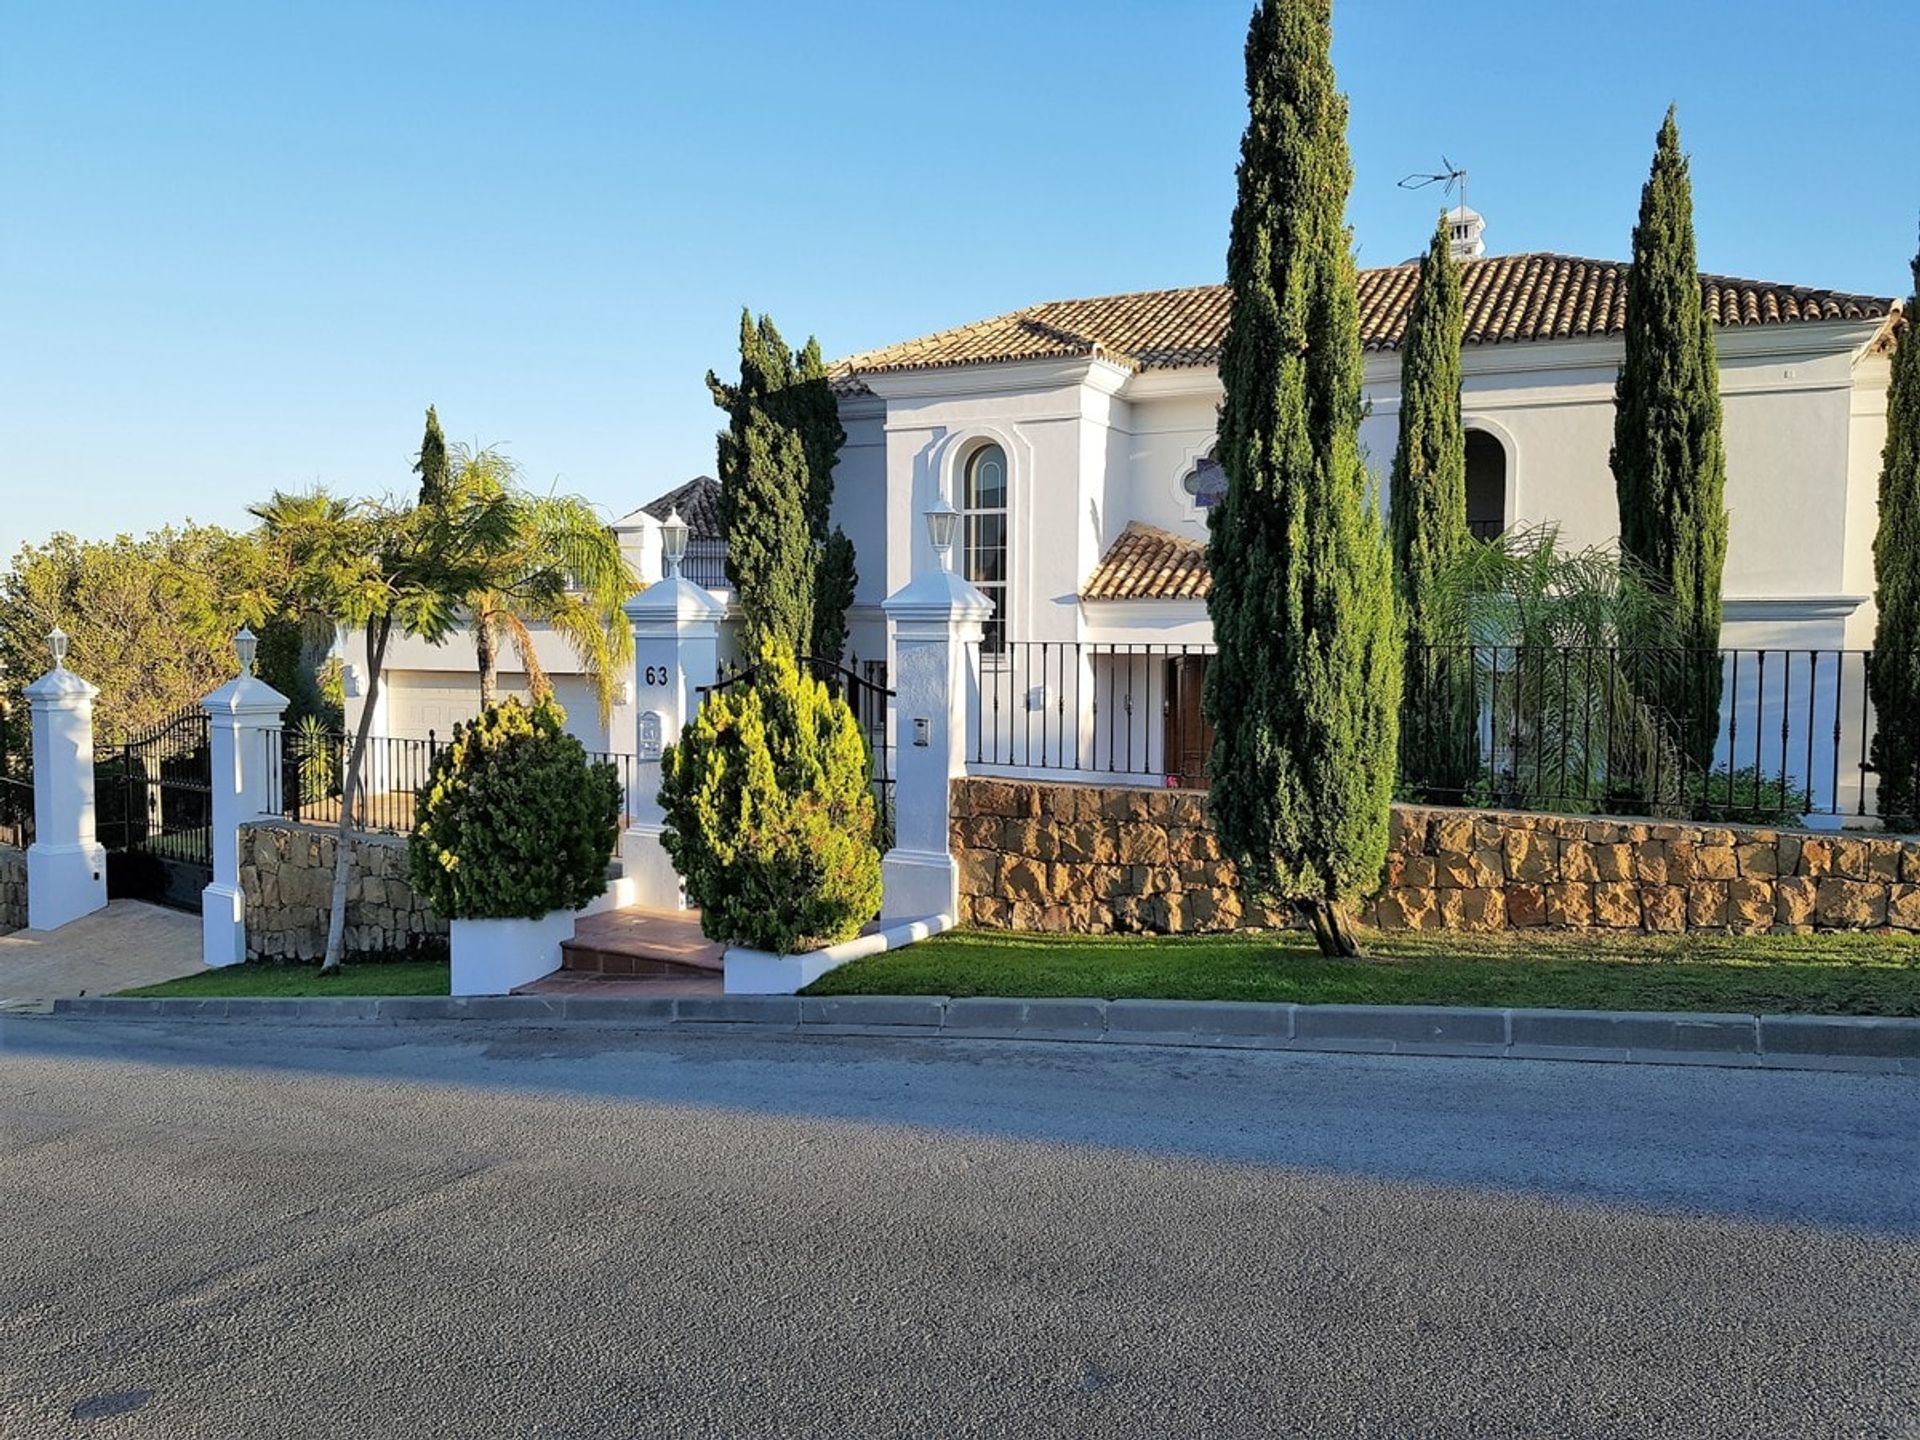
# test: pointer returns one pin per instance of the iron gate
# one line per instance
(863, 685)
(153, 801)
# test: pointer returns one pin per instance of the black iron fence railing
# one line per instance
(1567, 728)
(16, 779)
(1129, 710)
(705, 564)
(1581, 729)
(308, 769)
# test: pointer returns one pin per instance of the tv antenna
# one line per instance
(1447, 179)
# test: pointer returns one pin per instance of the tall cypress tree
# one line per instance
(794, 576)
(764, 485)
(1428, 523)
(431, 466)
(817, 414)
(1669, 467)
(1304, 694)
(1894, 676)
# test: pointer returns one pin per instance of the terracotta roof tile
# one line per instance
(1508, 298)
(1150, 564)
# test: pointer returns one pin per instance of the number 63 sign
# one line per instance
(657, 675)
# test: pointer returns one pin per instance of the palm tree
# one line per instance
(562, 570)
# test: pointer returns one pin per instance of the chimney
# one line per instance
(1466, 226)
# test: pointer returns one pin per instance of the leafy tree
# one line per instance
(1304, 694)
(1428, 525)
(1894, 676)
(561, 568)
(794, 575)
(380, 567)
(150, 619)
(1669, 467)
(514, 822)
(770, 812)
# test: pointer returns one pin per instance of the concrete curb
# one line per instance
(1776, 1042)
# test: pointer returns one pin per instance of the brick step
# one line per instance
(642, 944)
(599, 960)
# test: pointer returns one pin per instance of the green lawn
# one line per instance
(408, 977)
(1836, 974)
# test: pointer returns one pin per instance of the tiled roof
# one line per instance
(1149, 564)
(699, 503)
(1508, 298)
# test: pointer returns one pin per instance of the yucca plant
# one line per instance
(315, 750)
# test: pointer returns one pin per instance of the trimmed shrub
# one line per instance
(770, 813)
(514, 822)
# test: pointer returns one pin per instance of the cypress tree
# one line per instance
(764, 485)
(1669, 468)
(1894, 676)
(1428, 525)
(1304, 693)
(794, 575)
(431, 466)
(818, 416)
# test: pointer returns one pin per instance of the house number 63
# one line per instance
(657, 674)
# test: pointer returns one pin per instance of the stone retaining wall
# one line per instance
(13, 889)
(286, 873)
(1052, 856)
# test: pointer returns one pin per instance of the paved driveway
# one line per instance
(256, 1231)
(129, 943)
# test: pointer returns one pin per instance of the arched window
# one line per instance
(985, 534)
(1486, 485)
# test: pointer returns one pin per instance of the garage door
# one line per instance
(419, 701)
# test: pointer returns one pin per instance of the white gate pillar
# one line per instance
(66, 865)
(931, 622)
(243, 725)
(676, 652)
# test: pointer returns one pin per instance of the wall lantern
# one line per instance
(57, 643)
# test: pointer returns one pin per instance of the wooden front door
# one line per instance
(1189, 738)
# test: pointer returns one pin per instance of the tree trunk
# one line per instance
(377, 633)
(1332, 931)
(483, 649)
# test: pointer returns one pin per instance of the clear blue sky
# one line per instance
(244, 245)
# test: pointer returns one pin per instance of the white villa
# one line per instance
(1074, 438)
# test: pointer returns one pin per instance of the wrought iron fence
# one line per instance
(1573, 728)
(309, 767)
(1130, 710)
(1546, 728)
(705, 564)
(16, 780)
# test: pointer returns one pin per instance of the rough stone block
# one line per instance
(1616, 905)
(1021, 878)
(1707, 905)
(1473, 909)
(1531, 858)
(1577, 864)
(1903, 906)
(1759, 859)
(1850, 904)
(1816, 858)
(1526, 906)
(1650, 862)
(1715, 862)
(1750, 904)
(1663, 908)
(1794, 900)
(1452, 833)
(1408, 909)
(1569, 905)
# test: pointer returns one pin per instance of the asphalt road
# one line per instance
(238, 1231)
